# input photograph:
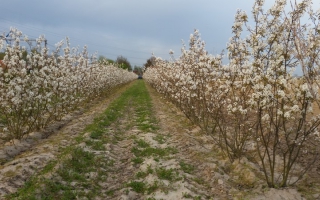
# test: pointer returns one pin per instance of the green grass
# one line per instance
(138, 186)
(145, 120)
(142, 174)
(96, 145)
(152, 188)
(141, 143)
(137, 160)
(115, 111)
(72, 169)
(110, 192)
(151, 151)
(49, 167)
(142, 187)
(167, 174)
(199, 180)
(96, 134)
(160, 139)
(79, 164)
(187, 168)
(57, 190)
(187, 195)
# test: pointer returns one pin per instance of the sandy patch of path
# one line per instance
(25, 158)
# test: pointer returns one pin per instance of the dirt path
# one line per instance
(140, 147)
(23, 159)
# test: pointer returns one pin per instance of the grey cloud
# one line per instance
(133, 28)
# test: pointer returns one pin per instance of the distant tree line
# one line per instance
(121, 61)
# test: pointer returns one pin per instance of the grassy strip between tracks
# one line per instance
(80, 168)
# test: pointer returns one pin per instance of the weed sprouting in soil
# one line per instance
(167, 174)
(137, 160)
(137, 186)
(187, 168)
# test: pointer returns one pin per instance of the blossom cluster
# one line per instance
(256, 98)
(41, 87)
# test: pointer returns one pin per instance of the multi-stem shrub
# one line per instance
(285, 124)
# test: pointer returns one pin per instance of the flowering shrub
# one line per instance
(254, 104)
(42, 88)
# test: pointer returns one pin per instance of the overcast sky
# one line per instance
(131, 28)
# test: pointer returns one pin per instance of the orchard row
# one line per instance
(40, 88)
(254, 106)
